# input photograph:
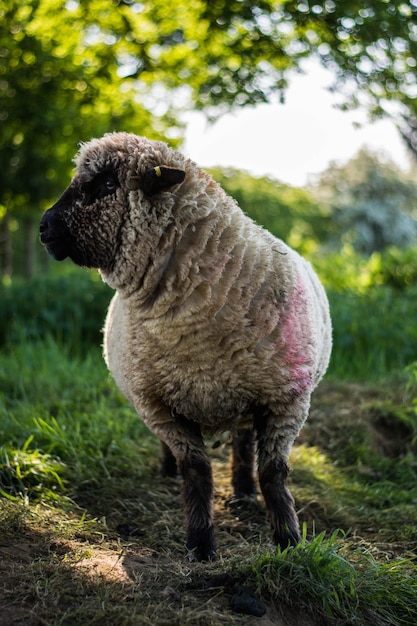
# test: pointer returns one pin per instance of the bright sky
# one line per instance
(294, 141)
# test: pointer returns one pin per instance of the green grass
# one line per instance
(90, 533)
(325, 576)
(374, 333)
(69, 304)
(59, 408)
(77, 465)
(24, 472)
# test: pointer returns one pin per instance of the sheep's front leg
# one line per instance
(275, 439)
(198, 502)
(194, 466)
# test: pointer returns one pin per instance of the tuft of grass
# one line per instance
(321, 578)
(27, 473)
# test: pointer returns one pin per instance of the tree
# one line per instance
(59, 84)
(372, 202)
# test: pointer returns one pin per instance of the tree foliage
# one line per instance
(372, 202)
(70, 70)
(59, 84)
(238, 52)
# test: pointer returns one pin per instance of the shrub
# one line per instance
(71, 307)
(397, 267)
(374, 333)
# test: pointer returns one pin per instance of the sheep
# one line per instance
(216, 325)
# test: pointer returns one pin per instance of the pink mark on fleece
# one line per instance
(296, 340)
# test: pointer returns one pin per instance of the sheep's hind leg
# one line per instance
(243, 454)
(274, 444)
(168, 461)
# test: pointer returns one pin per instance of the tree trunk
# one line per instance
(30, 248)
(5, 248)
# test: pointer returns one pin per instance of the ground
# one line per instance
(113, 554)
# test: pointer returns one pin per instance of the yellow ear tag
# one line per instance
(158, 171)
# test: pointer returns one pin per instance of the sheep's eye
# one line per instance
(107, 183)
(110, 184)
(102, 185)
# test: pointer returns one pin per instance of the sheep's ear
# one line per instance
(161, 177)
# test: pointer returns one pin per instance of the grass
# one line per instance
(66, 406)
(91, 534)
(374, 333)
(340, 583)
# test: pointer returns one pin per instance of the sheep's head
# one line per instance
(87, 222)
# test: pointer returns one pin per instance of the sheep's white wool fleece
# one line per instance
(213, 315)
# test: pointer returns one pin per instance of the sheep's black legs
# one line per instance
(168, 461)
(273, 448)
(193, 463)
(279, 502)
(243, 454)
(198, 501)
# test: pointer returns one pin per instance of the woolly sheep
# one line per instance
(215, 325)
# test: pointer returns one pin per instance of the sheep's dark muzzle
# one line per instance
(54, 232)
(55, 236)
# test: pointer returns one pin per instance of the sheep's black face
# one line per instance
(97, 222)
(74, 227)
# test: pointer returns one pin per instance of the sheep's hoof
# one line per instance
(195, 556)
(201, 545)
(287, 537)
(243, 500)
